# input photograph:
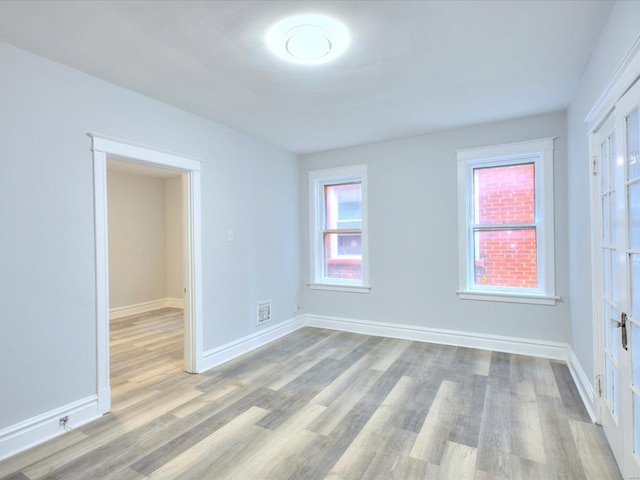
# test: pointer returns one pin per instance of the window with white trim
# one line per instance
(505, 227)
(338, 228)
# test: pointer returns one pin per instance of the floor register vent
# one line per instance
(264, 311)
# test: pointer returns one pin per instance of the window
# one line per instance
(505, 201)
(338, 220)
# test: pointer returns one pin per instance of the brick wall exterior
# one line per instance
(505, 257)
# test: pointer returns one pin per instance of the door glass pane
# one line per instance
(612, 161)
(634, 215)
(607, 378)
(636, 424)
(635, 353)
(635, 285)
(615, 334)
(614, 389)
(606, 271)
(607, 326)
(604, 155)
(606, 223)
(633, 160)
(612, 217)
(615, 294)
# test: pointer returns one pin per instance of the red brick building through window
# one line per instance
(505, 250)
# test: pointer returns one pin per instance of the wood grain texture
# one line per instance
(322, 404)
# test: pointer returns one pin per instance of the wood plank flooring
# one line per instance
(323, 404)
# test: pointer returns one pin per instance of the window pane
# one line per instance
(506, 258)
(343, 256)
(504, 194)
(343, 205)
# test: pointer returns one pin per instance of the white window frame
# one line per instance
(318, 179)
(539, 152)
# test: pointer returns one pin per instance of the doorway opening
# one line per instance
(146, 287)
(189, 170)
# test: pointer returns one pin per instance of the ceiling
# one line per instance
(413, 67)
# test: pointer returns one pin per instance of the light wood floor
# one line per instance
(322, 404)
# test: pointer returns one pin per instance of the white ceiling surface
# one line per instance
(412, 67)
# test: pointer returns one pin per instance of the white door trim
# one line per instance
(102, 147)
(623, 78)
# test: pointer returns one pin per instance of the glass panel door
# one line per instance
(609, 298)
(618, 146)
(627, 122)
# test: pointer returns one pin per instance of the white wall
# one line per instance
(47, 277)
(173, 237)
(616, 39)
(137, 232)
(145, 238)
(413, 242)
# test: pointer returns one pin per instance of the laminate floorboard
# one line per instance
(322, 404)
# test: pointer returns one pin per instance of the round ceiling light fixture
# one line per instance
(309, 39)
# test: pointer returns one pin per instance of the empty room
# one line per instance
(320, 239)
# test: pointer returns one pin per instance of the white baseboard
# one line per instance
(175, 302)
(35, 430)
(521, 346)
(229, 351)
(585, 389)
(138, 308)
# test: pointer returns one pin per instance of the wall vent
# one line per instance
(264, 311)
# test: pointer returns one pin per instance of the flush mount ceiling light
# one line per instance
(309, 39)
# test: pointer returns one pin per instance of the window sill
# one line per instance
(507, 297)
(340, 288)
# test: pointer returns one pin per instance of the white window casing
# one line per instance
(318, 180)
(540, 153)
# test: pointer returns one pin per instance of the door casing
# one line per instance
(102, 147)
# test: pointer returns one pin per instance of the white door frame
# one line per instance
(102, 147)
(622, 79)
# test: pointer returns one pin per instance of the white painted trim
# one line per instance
(143, 153)
(175, 302)
(192, 261)
(317, 181)
(138, 308)
(625, 75)
(224, 353)
(340, 288)
(539, 152)
(584, 386)
(102, 147)
(28, 433)
(498, 343)
(102, 280)
(507, 297)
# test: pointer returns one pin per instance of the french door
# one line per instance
(617, 146)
